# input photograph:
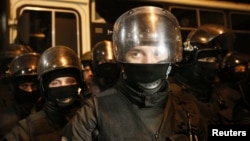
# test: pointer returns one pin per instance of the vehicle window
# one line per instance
(35, 29)
(66, 30)
(212, 17)
(48, 27)
(240, 21)
(186, 17)
(240, 24)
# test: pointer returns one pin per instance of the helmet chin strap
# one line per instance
(168, 70)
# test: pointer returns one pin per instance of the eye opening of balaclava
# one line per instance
(107, 74)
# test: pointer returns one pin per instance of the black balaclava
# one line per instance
(61, 101)
(205, 72)
(22, 96)
(197, 72)
(106, 74)
(198, 77)
(146, 79)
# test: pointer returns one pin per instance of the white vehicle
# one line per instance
(45, 23)
(77, 24)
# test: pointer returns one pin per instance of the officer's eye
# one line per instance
(134, 53)
(54, 83)
(71, 81)
(23, 86)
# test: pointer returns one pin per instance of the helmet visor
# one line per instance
(147, 33)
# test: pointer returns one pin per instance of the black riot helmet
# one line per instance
(23, 69)
(202, 52)
(24, 65)
(106, 69)
(59, 61)
(234, 67)
(10, 52)
(103, 52)
(155, 30)
(206, 41)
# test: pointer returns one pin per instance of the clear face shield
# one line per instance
(146, 40)
(147, 35)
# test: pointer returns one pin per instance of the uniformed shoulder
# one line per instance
(107, 92)
(31, 118)
(175, 88)
(178, 92)
(37, 116)
(38, 123)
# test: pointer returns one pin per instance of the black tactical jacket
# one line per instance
(119, 114)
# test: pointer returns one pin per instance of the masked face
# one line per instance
(206, 69)
(27, 91)
(27, 97)
(88, 75)
(149, 61)
(63, 90)
(28, 86)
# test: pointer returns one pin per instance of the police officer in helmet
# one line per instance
(86, 60)
(105, 68)
(25, 89)
(241, 111)
(23, 73)
(60, 75)
(7, 54)
(233, 67)
(56, 62)
(203, 51)
(146, 41)
(90, 87)
(238, 64)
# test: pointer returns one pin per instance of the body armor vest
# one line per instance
(116, 124)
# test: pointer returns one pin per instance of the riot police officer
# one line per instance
(234, 70)
(91, 88)
(203, 50)
(241, 111)
(6, 55)
(105, 68)
(60, 75)
(146, 40)
(25, 89)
